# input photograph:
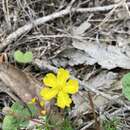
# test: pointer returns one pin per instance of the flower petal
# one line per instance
(63, 100)
(72, 86)
(48, 93)
(33, 101)
(42, 103)
(62, 76)
(50, 80)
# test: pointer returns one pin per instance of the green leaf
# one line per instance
(23, 57)
(12, 123)
(33, 110)
(17, 107)
(24, 112)
(28, 56)
(9, 123)
(111, 124)
(126, 85)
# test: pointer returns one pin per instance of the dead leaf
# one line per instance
(23, 85)
(107, 56)
(79, 31)
(103, 80)
(77, 57)
(100, 101)
(81, 103)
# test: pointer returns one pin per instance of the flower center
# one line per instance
(61, 86)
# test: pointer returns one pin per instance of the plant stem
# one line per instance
(97, 124)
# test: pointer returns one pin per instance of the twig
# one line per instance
(102, 117)
(95, 9)
(37, 121)
(6, 12)
(126, 6)
(71, 3)
(26, 28)
(88, 125)
(97, 123)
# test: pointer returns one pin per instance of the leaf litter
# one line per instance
(92, 45)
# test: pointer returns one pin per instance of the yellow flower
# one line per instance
(33, 100)
(59, 86)
(42, 103)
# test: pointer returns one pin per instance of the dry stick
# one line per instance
(6, 12)
(127, 8)
(13, 36)
(102, 117)
(26, 28)
(97, 123)
(95, 9)
(108, 16)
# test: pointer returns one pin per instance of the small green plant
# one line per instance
(111, 124)
(49, 124)
(59, 123)
(126, 85)
(23, 57)
(67, 125)
(18, 116)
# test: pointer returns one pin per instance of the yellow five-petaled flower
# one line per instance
(59, 86)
